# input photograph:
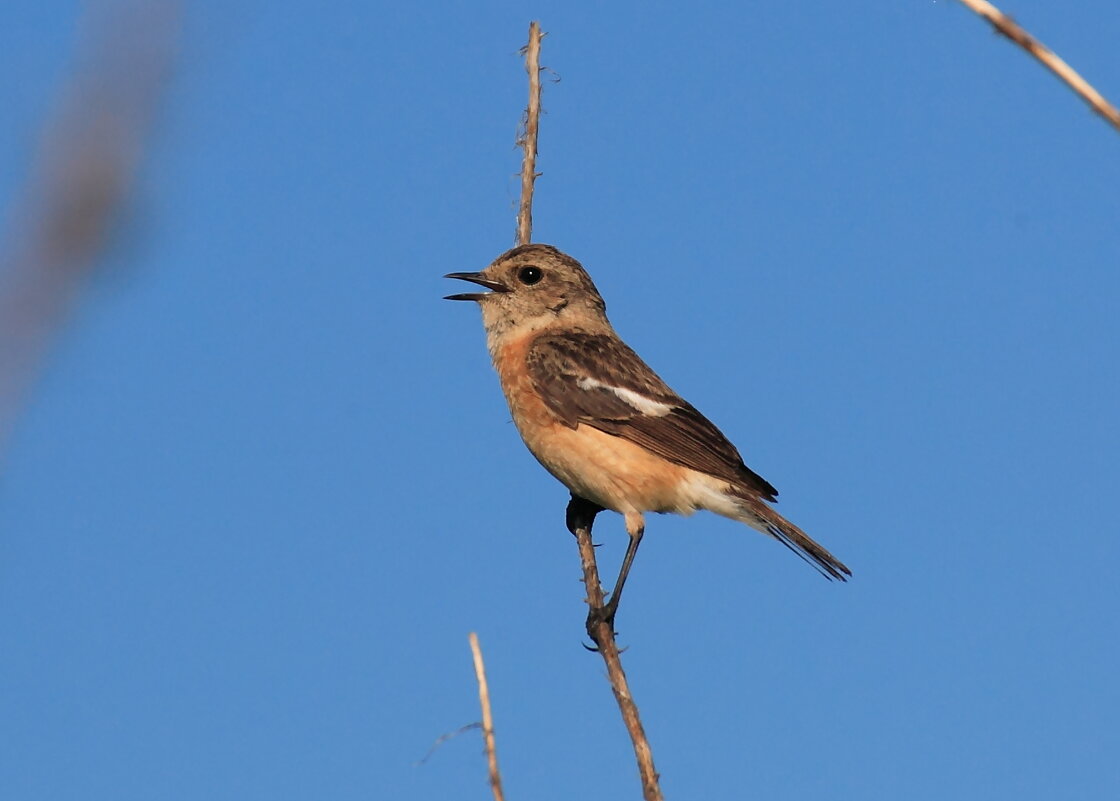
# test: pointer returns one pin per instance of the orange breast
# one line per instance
(612, 471)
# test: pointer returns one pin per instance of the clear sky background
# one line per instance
(267, 483)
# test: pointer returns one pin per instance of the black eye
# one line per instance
(529, 275)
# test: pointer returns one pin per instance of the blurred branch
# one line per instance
(528, 137)
(581, 517)
(87, 160)
(1009, 28)
(487, 720)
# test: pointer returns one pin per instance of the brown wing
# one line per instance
(599, 381)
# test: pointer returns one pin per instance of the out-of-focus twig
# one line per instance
(60, 222)
(1009, 28)
(487, 719)
(528, 138)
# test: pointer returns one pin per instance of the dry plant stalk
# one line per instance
(1009, 28)
(528, 138)
(581, 517)
(487, 720)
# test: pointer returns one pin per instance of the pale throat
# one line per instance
(502, 326)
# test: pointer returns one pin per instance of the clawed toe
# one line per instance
(596, 617)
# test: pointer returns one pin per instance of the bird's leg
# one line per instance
(635, 527)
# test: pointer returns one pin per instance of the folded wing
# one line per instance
(597, 380)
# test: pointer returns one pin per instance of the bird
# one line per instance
(601, 421)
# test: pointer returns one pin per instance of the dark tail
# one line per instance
(758, 515)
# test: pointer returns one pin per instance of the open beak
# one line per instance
(476, 278)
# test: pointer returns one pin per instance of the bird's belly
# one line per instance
(611, 471)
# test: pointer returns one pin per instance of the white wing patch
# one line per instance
(636, 399)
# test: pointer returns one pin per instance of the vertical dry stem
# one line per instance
(1009, 28)
(487, 720)
(529, 137)
(581, 514)
(580, 518)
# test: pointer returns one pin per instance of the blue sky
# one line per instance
(267, 483)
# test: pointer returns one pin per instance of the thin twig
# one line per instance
(443, 738)
(1009, 28)
(528, 139)
(581, 517)
(487, 720)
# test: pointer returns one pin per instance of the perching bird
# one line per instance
(600, 420)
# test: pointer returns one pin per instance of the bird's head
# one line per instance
(533, 287)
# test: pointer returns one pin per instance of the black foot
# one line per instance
(581, 514)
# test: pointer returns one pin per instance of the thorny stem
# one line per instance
(529, 138)
(581, 517)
